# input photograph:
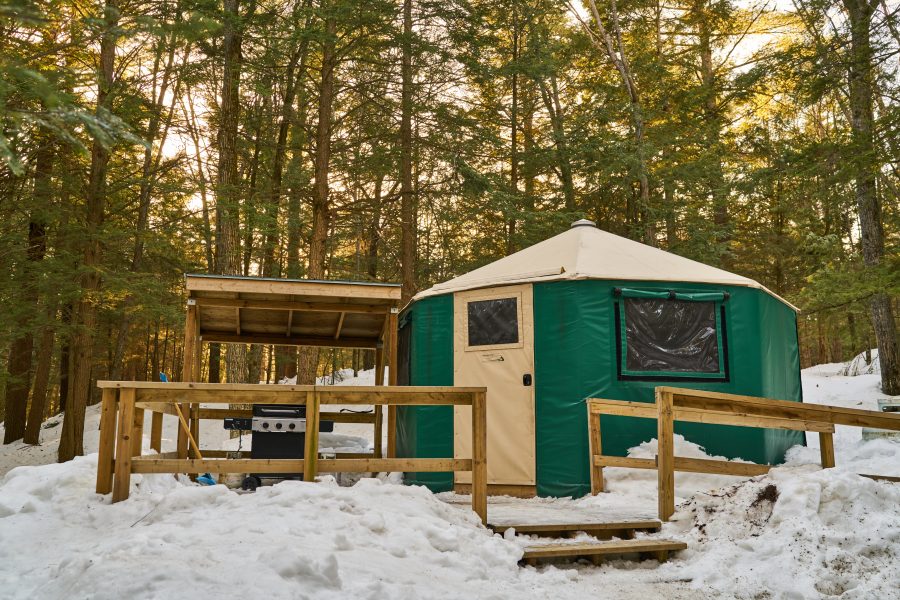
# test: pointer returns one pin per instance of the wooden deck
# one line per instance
(655, 548)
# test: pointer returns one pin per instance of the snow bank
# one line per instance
(796, 533)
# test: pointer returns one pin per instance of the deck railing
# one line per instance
(125, 402)
(699, 406)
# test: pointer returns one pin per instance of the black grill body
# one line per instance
(281, 443)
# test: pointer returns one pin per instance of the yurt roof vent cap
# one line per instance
(583, 223)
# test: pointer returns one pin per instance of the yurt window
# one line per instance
(663, 338)
(493, 322)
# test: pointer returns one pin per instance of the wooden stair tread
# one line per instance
(586, 526)
(601, 547)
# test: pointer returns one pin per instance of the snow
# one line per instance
(799, 532)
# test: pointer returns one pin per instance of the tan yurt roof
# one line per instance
(586, 252)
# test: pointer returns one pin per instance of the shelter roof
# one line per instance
(291, 312)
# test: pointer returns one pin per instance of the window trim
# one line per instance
(722, 376)
(496, 296)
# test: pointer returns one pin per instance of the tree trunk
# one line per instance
(82, 347)
(321, 203)
(407, 199)
(41, 380)
(864, 161)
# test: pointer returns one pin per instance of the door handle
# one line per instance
(526, 379)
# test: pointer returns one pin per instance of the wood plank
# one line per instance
(665, 467)
(156, 426)
(137, 437)
(291, 306)
(601, 547)
(125, 430)
(184, 427)
(528, 528)
(688, 465)
(280, 388)
(890, 478)
(479, 455)
(648, 410)
(107, 441)
(293, 287)
(595, 447)
(826, 449)
(499, 489)
(280, 340)
(836, 415)
(340, 324)
(392, 363)
(147, 464)
(312, 436)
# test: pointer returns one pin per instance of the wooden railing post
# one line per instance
(595, 448)
(479, 455)
(311, 454)
(156, 423)
(107, 441)
(392, 380)
(137, 439)
(125, 430)
(379, 412)
(665, 456)
(826, 447)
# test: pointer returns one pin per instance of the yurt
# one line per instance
(588, 314)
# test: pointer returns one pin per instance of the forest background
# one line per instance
(414, 140)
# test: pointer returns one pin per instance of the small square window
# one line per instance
(667, 338)
(493, 322)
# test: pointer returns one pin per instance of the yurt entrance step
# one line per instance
(649, 548)
(602, 530)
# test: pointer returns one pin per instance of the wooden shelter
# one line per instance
(295, 312)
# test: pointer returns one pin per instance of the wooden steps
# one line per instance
(603, 530)
(658, 549)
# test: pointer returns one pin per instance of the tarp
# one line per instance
(585, 252)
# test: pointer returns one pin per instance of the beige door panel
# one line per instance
(510, 404)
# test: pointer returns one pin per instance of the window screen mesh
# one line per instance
(493, 322)
(671, 336)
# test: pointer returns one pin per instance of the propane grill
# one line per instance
(277, 431)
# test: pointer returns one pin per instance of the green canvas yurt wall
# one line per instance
(575, 357)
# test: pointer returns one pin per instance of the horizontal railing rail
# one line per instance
(699, 406)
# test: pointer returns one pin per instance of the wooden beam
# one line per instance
(290, 323)
(826, 448)
(570, 550)
(392, 380)
(137, 439)
(279, 340)
(147, 464)
(287, 287)
(125, 430)
(156, 425)
(237, 319)
(687, 465)
(340, 324)
(665, 438)
(595, 447)
(187, 431)
(648, 410)
(325, 307)
(479, 455)
(836, 415)
(312, 436)
(107, 441)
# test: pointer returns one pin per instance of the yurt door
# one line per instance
(493, 346)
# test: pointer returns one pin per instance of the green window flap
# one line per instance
(674, 295)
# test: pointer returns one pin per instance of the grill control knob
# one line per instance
(265, 424)
(292, 426)
(277, 425)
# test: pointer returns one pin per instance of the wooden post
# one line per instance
(379, 413)
(125, 430)
(311, 455)
(107, 441)
(665, 457)
(595, 448)
(479, 455)
(137, 437)
(826, 447)
(188, 363)
(156, 423)
(392, 380)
